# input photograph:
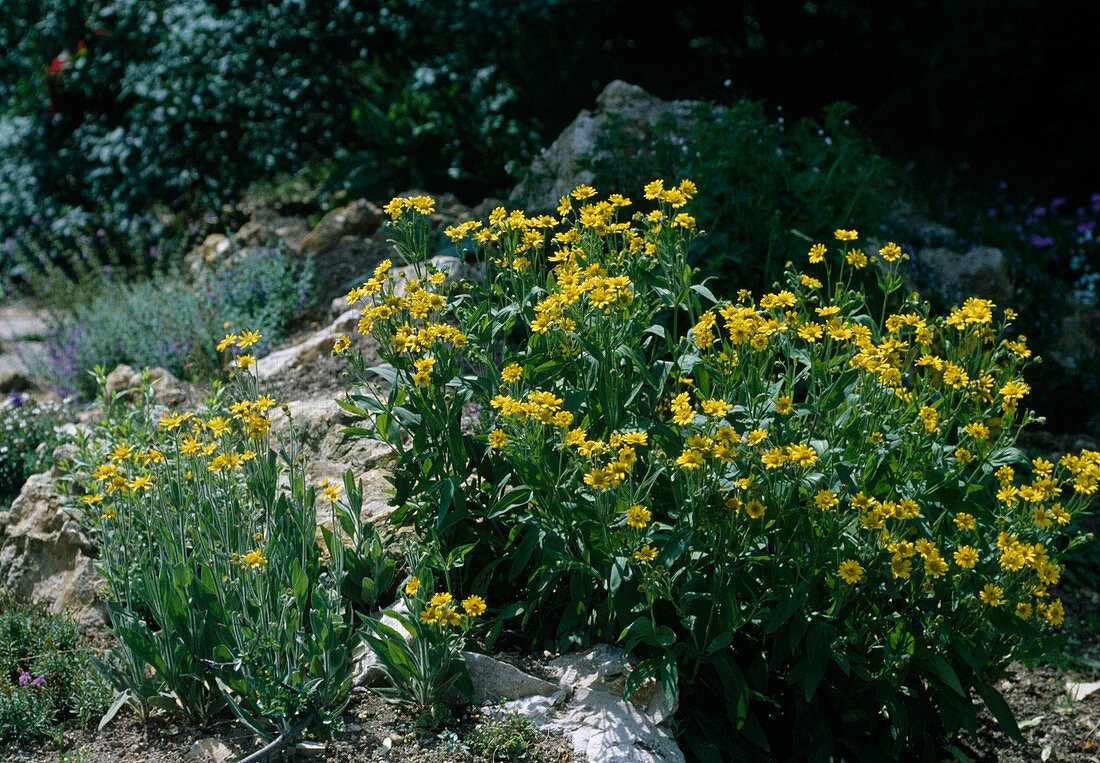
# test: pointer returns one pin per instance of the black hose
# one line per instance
(279, 742)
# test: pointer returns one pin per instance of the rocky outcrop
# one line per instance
(555, 172)
(982, 271)
(44, 553)
(318, 426)
(586, 705)
(168, 389)
(360, 218)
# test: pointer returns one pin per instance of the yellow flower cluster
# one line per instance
(421, 205)
(443, 610)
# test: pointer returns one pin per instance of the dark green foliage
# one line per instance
(47, 673)
(28, 437)
(769, 187)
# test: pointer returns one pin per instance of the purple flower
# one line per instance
(1031, 220)
(25, 679)
(1095, 199)
(1055, 203)
(1040, 211)
(1041, 241)
(1085, 227)
(16, 400)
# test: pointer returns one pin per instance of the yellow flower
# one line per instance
(340, 346)
(934, 564)
(637, 516)
(140, 483)
(253, 559)
(412, 586)
(331, 491)
(92, 499)
(172, 421)
(966, 557)
(248, 338)
(755, 509)
(856, 258)
(826, 499)
(474, 605)
(497, 438)
(645, 554)
(245, 362)
(930, 419)
(582, 192)
(1054, 613)
(900, 567)
(850, 571)
(817, 253)
(891, 252)
(511, 373)
(845, 235)
(690, 459)
(802, 454)
(654, 189)
(1023, 610)
(715, 408)
(228, 341)
(783, 405)
(598, 479)
(991, 594)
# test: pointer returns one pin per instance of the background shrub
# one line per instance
(24, 426)
(165, 322)
(47, 673)
(771, 187)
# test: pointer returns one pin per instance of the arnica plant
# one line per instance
(803, 509)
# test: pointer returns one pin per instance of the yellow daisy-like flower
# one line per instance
(715, 408)
(991, 594)
(826, 499)
(783, 405)
(245, 362)
(228, 341)
(637, 516)
(850, 571)
(690, 459)
(474, 605)
(412, 586)
(497, 438)
(645, 554)
(755, 509)
(340, 346)
(817, 253)
(248, 338)
(583, 192)
(966, 557)
(856, 258)
(845, 235)
(512, 373)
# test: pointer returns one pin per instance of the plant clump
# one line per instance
(804, 506)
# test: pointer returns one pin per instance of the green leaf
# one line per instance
(1000, 710)
(941, 669)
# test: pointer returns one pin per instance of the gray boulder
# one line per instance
(554, 172)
